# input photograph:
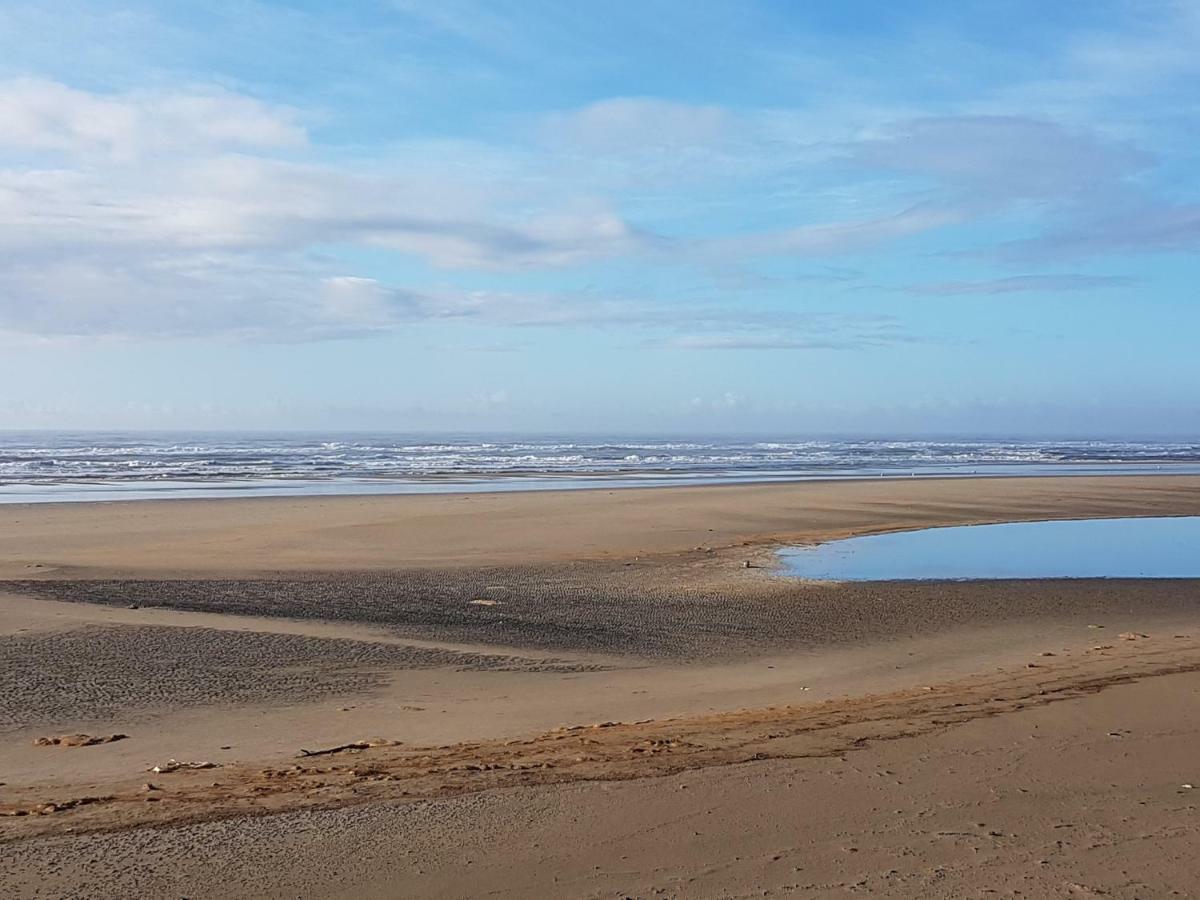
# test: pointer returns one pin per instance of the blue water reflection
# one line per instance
(1093, 548)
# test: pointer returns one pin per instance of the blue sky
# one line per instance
(853, 217)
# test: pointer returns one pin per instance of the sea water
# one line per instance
(126, 465)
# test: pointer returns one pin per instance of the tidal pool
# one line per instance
(1091, 548)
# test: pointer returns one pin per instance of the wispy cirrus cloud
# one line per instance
(829, 239)
(774, 342)
(636, 124)
(1003, 159)
(1015, 284)
(793, 331)
(1135, 224)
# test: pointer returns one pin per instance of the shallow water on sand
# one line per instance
(1092, 548)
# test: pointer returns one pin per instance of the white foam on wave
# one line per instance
(125, 458)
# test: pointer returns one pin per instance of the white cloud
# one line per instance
(546, 240)
(220, 199)
(39, 115)
(184, 212)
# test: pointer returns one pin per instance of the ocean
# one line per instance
(50, 466)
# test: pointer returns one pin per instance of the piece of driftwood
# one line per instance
(341, 748)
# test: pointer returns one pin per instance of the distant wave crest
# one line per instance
(114, 459)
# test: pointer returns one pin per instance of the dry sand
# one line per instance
(766, 734)
(1078, 799)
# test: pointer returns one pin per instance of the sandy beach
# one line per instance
(586, 693)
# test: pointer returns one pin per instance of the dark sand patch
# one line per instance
(650, 611)
(97, 673)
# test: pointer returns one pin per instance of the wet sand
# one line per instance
(474, 636)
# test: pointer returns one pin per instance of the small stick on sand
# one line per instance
(78, 740)
(356, 745)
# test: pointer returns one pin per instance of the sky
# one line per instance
(638, 217)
